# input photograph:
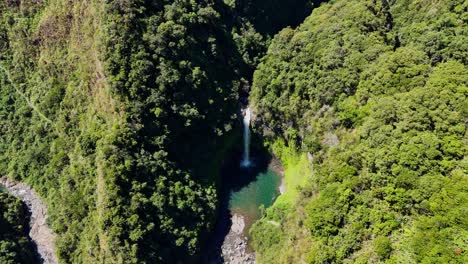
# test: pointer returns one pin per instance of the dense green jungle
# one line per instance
(123, 115)
(15, 246)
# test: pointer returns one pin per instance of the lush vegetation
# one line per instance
(15, 246)
(119, 114)
(376, 93)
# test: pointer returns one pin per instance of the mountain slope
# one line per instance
(119, 115)
(373, 95)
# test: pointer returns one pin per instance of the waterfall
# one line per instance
(246, 158)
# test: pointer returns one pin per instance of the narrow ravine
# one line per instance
(40, 233)
(252, 179)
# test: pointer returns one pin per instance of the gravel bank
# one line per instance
(234, 248)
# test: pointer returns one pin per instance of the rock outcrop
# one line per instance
(39, 233)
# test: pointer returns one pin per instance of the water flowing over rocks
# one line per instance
(39, 232)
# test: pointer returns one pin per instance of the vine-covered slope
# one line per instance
(374, 95)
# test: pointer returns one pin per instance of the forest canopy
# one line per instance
(375, 94)
(15, 246)
(120, 113)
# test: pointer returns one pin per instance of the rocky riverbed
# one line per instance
(39, 233)
(234, 248)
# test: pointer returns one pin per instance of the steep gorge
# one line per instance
(107, 112)
(121, 114)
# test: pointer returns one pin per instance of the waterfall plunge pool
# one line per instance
(261, 192)
(243, 192)
(251, 179)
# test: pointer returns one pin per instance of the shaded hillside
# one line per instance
(15, 247)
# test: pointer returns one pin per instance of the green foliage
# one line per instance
(383, 247)
(119, 114)
(328, 210)
(15, 246)
(381, 86)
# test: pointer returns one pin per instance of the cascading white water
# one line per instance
(246, 158)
